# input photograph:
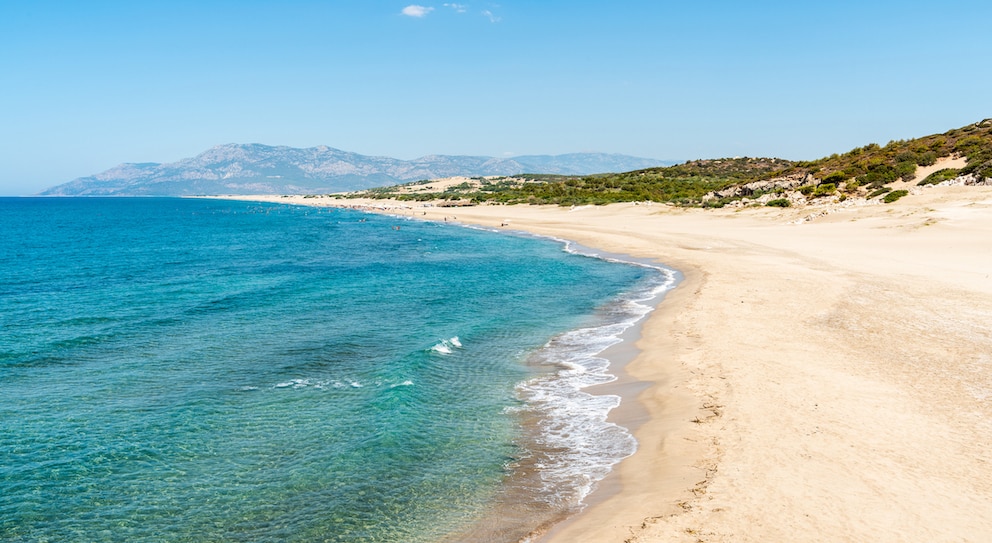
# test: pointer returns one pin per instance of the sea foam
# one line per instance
(446, 346)
(577, 445)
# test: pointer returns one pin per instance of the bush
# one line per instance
(969, 145)
(940, 176)
(894, 195)
(979, 163)
(907, 156)
(982, 169)
(879, 175)
(836, 178)
(906, 170)
(879, 192)
(715, 204)
(824, 190)
(928, 158)
(779, 202)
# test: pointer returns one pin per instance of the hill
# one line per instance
(264, 169)
(865, 172)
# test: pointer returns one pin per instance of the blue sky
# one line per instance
(88, 85)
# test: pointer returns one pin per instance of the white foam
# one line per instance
(582, 446)
(318, 384)
(578, 444)
(444, 346)
(441, 348)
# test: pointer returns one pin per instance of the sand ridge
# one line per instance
(822, 381)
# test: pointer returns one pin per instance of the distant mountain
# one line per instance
(264, 169)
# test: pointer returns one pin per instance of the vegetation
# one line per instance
(879, 192)
(684, 184)
(824, 189)
(864, 171)
(779, 202)
(940, 176)
(894, 195)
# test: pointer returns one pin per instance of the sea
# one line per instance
(197, 370)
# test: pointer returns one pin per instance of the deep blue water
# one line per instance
(201, 370)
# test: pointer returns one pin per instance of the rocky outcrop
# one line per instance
(778, 184)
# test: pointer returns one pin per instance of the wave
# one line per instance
(323, 384)
(447, 346)
(575, 445)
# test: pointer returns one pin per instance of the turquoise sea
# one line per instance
(208, 371)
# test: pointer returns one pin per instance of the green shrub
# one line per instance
(836, 178)
(879, 192)
(979, 163)
(906, 170)
(807, 190)
(854, 170)
(824, 190)
(894, 195)
(979, 168)
(878, 175)
(940, 176)
(927, 158)
(779, 202)
(969, 145)
(715, 204)
(907, 156)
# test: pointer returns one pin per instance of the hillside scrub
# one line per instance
(864, 170)
(894, 195)
(940, 176)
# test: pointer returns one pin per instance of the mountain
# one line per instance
(264, 169)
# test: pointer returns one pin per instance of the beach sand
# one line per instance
(810, 380)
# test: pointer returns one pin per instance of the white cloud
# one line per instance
(460, 8)
(493, 18)
(414, 10)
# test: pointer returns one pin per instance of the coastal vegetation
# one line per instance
(894, 195)
(865, 171)
(940, 176)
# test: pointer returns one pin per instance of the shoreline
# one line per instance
(819, 379)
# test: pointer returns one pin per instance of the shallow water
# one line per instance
(196, 370)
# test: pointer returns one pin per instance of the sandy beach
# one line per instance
(819, 375)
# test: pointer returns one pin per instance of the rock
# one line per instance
(778, 184)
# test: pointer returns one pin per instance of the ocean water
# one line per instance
(202, 370)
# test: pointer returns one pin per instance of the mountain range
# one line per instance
(264, 169)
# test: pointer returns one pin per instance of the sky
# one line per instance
(85, 86)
